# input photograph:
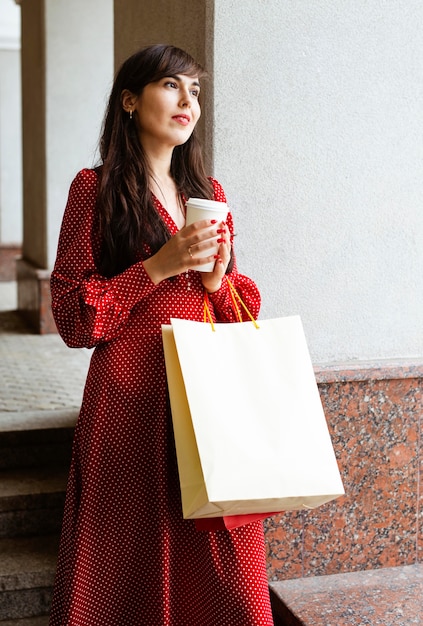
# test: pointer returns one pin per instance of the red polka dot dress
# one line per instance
(127, 557)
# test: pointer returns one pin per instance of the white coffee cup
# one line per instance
(202, 209)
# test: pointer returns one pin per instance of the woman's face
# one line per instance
(167, 111)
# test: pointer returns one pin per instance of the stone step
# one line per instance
(36, 438)
(32, 500)
(27, 569)
(29, 621)
(386, 596)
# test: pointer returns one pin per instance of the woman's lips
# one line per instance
(181, 119)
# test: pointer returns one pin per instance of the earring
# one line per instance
(130, 114)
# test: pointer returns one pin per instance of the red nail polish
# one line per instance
(213, 221)
(216, 256)
(221, 240)
(221, 230)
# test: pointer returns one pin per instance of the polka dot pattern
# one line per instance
(127, 557)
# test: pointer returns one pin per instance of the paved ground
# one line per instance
(37, 372)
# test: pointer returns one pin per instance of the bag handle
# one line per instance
(207, 317)
(236, 300)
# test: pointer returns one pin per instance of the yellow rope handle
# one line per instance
(207, 313)
(235, 299)
(235, 295)
(232, 291)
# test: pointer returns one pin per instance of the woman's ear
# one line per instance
(128, 100)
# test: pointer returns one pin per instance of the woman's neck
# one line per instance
(164, 188)
(159, 160)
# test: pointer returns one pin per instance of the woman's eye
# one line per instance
(195, 92)
(171, 83)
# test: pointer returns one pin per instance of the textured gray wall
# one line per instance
(318, 141)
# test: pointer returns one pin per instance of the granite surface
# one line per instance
(384, 369)
(374, 417)
(385, 597)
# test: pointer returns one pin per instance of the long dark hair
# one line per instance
(130, 225)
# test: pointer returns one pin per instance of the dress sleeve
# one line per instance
(221, 300)
(88, 308)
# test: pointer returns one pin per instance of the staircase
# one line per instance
(41, 383)
(34, 460)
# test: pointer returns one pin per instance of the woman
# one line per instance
(125, 264)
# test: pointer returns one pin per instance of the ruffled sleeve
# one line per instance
(89, 309)
(221, 300)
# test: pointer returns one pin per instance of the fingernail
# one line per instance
(213, 221)
(221, 240)
(216, 256)
(221, 230)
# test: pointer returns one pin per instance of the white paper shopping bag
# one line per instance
(250, 431)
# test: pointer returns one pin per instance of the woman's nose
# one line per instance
(185, 99)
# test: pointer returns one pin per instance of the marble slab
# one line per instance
(374, 417)
(378, 598)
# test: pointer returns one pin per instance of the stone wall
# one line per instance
(374, 412)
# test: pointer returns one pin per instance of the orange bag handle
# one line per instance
(207, 314)
(236, 300)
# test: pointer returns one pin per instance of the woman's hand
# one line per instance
(212, 281)
(181, 252)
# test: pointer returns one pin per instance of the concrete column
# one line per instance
(10, 140)
(188, 25)
(67, 67)
(318, 141)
